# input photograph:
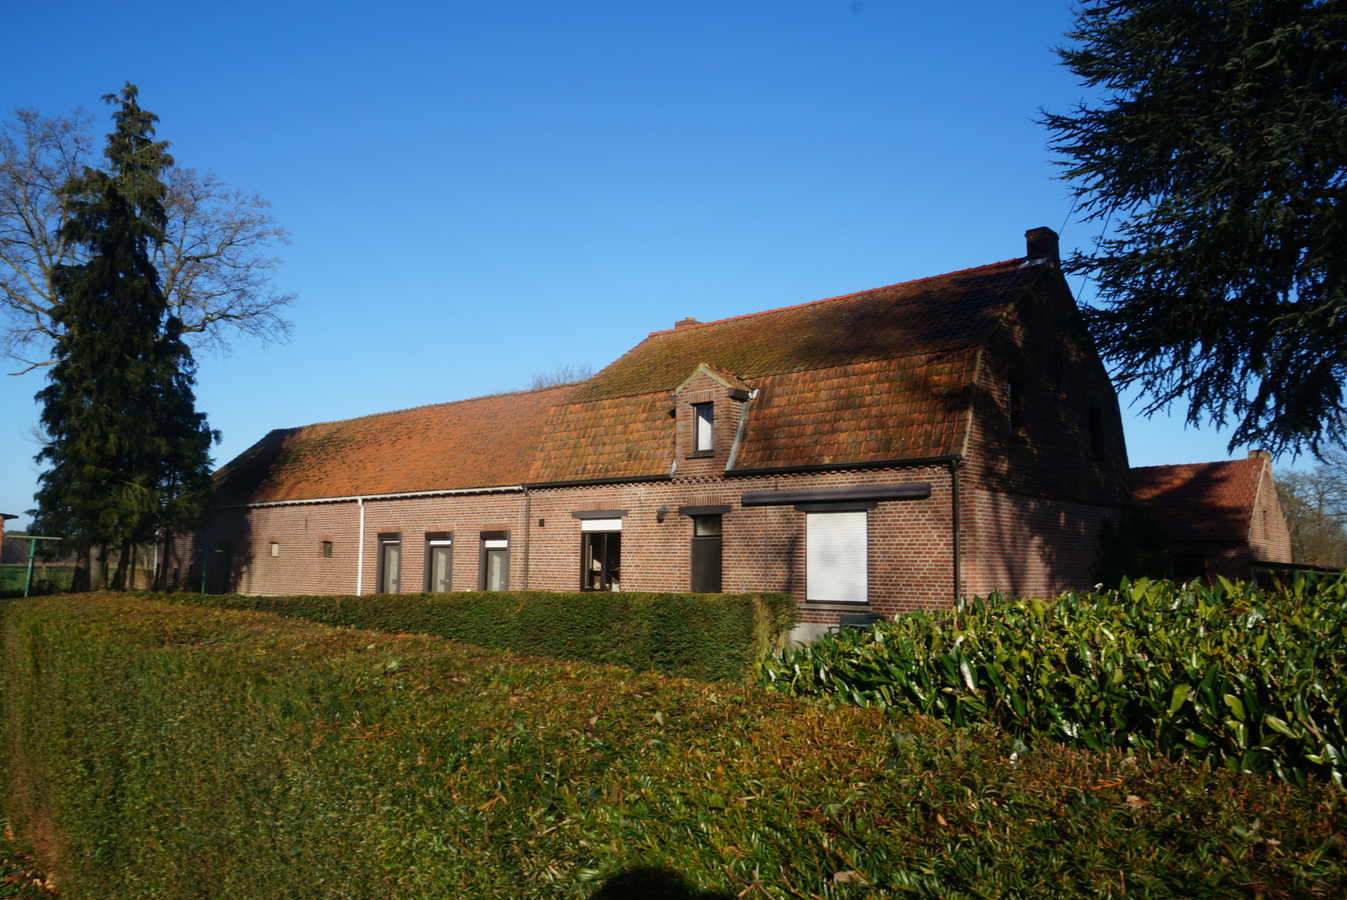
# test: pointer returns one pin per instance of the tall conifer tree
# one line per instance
(128, 452)
(1216, 147)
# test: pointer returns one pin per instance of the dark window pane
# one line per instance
(706, 570)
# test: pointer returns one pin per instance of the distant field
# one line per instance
(12, 576)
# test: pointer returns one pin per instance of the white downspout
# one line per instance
(360, 551)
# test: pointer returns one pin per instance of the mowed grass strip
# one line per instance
(167, 751)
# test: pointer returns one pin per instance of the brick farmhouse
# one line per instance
(877, 453)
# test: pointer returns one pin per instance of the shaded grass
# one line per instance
(168, 751)
(47, 578)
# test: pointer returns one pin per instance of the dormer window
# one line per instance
(703, 421)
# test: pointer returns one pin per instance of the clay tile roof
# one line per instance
(486, 442)
(1201, 501)
(881, 374)
(877, 375)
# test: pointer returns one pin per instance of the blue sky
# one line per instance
(478, 192)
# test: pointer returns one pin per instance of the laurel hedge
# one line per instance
(1254, 680)
(707, 636)
(163, 751)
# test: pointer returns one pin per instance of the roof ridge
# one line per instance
(1213, 462)
(882, 287)
(794, 371)
(395, 412)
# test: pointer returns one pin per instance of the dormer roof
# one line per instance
(722, 376)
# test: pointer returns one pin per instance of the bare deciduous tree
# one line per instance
(566, 374)
(216, 262)
(1315, 506)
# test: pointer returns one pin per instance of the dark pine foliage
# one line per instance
(1217, 151)
(127, 450)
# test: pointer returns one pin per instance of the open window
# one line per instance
(601, 554)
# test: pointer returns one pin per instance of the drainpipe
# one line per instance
(739, 431)
(360, 550)
(954, 505)
(528, 521)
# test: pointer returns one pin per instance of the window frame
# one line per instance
(610, 569)
(382, 583)
(487, 543)
(438, 540)
(705, 576)
(704, 438)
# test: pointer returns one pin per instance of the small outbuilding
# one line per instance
(1222, 518)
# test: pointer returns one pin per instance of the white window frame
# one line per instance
(703, 427)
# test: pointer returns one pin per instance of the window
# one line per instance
(836, 557)
(493, 573)
(390, 562)
(703, 420)
(601, 555)
(1096, 432)
(1015, 406)
(275, 548)
(327, 549)
(439, 561)
(706, 554)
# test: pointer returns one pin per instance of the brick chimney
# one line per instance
(684, 323)
(1042, 244)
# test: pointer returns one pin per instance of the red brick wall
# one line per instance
(763, 547)
(1269, 538)
(1028, 545)
(1042, 346)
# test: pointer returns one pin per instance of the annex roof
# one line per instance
(486, 442)
(1211, 501)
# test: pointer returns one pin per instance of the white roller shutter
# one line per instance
(600, 524)
(836, 558)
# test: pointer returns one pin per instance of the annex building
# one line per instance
(876, 452)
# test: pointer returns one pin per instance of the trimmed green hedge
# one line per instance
(160, 751)
(706, 636)
(1253, 680)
